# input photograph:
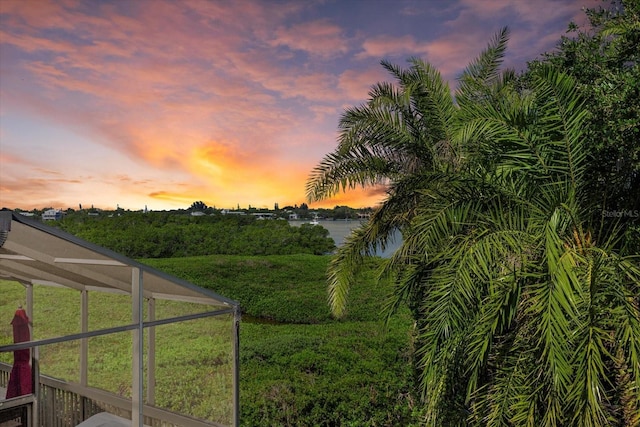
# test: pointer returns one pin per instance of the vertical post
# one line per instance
(35, 372)
(84, 342)
(151, 354)
(35, 357)
(84, 345)
(137, 300)
(29, 292)
(236, 366)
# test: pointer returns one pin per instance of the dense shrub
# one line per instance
(343, 374)
(170, 234)
(283, 289)
(298, 365)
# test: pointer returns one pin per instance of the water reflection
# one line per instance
(340, 229)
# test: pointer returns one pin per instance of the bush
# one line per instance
(170, 234)
(298, 366)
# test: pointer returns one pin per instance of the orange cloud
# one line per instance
(227, 102)
(355, 198)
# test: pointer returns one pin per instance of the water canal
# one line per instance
(340, 229)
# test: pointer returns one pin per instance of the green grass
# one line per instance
(351, 373)
(301, 368)
(283, 288)
(193, 359)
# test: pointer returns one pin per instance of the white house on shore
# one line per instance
(229, 212)
(52, 215)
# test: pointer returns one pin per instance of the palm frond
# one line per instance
(342, 270)
(483, 70)
(563, 120)
(364, 240)
(398, 132)
(338, 172)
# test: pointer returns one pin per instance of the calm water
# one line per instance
(339, 230)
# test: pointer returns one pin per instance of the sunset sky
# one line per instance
(136, 103)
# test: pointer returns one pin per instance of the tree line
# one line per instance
(163, 234)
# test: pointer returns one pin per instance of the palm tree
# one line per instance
(525, 313)
(528, 315)
(404, 139)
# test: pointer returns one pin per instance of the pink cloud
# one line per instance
(355, 84)
(384, 45)
(448, 54)
(471, 30)
(528, 21)
(320, 38)
(8, 157)
(540, 11)
(213, 93)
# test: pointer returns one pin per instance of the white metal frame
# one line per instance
(29, 265)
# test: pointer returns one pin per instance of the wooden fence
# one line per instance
(62, 404)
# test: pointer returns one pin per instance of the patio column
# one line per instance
(137, 310)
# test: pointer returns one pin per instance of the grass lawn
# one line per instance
(298, 365)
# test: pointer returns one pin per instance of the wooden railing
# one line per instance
(4, 375)
(63, 404)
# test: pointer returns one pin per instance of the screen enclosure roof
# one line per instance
(34, 253)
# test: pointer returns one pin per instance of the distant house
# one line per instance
(52, 215)
(263, 215)
(228, 212)
(197, 213)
